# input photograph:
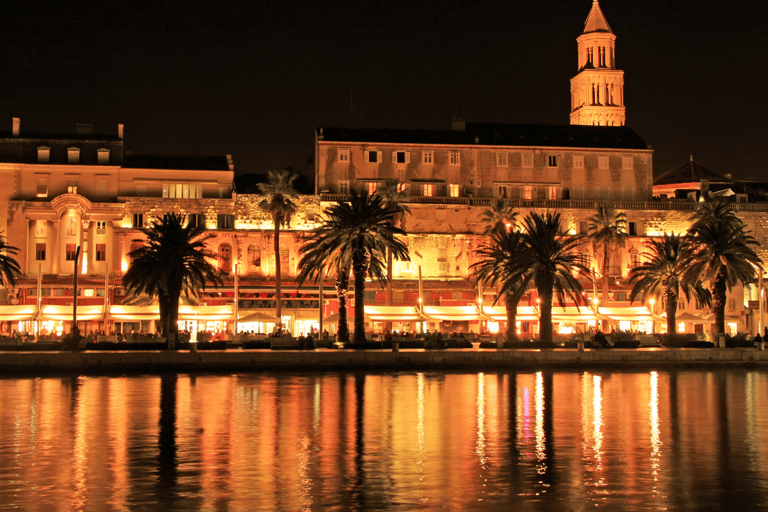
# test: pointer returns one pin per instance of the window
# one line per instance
(578, 162)
(225, 258)
(552, 193)
(71, 252)
(442, 265)
(41, 227)
(72, 187)
(71, 226)
(224, 221)
(101, 227)
(578, 192)
(254, 258)
(427, 189)
(604, 192)
(527, 193)
(183, 190)
(527, 159)
(583, 227)
(633, 228)
(372, 186)
(502, 159)
(42, 187)
(454, 157)
(138, 220)
(101, 252)
(401, 157)
(43, 154)
(343, 154)
(629, 193)
(343, 187)
(626, 162)
(39, 252)
(453, 189)
(502, 192)
(602, 162)
(196, 220)
(73, 155)
(284, 259)
(427, 157)
(373, 156)
(552, 160)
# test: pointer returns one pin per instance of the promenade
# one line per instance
(110, 362)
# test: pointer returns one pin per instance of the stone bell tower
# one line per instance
(597, 90)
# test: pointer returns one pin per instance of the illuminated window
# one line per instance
(454, 157)
(372, 186)
(88, 292)
(42, 187)
(552, 193)
(453, 190)
(527, 192)
(343, 154)
(552, 160)
(254, 258)
(71, 252)
(401, 157)
(578, 162)
(101, 252)
(343, 187)
(426, 189)
(183, 190)
(427, 157)
(101, 227)
(41, 227)
(39, 252)
(442, 265)
(602, 162)
(502, 159)
(138, 220)
(71, 226)
(527, 159)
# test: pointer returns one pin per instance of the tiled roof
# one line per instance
(37, 136)
(497, 134)
(190, 163)
(689, 172)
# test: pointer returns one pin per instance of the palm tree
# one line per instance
(500, 216)
(723, 254)
(549, 262)
(664, 275)
(172, 262)
(277, 197)
(607, 231)
(355, 234)
(498, 262)
(9, 267)
(393, 194)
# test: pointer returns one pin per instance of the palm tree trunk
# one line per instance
(670, 306)
(359, 269)
(390, 293)
(511, 306)
(173, 319)
(342, 292)
(604, 301)
(719, 301)
(278, 291)
(545, 315)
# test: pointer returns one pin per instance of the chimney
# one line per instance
(120, 131)
(230, 163)
(458, 124)
(729, 177)
(704, 188)
(84, 128)
(16, 126)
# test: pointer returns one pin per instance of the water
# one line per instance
(681, 440)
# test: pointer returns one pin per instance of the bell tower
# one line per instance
(597, 90)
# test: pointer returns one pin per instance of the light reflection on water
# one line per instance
(407, 441)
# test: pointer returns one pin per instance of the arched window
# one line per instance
(135, 244)
(254, 258)
(225, 258)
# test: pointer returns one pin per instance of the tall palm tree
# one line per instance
(172, 262)
(723, 254)
(394, 195)
(500, 216)
(277, 199)
(664, 275)
(9, 267)
(498, 264)
(549, 262)
(355, 234)
(607, 231)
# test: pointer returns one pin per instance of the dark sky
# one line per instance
(255, 78)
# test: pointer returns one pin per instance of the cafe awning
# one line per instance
(256, 316)
(223, 312)
(64, 313)
(134, 313)
(499, 314)
(393, 314)
(630, 313)
(20, 313)
(452, 313)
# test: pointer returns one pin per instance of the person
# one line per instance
(600, 338)
(325, 334)
(758, 339)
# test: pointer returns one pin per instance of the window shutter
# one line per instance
(407, 157)
(394, 157)
(378, 157)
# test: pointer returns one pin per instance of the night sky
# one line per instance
(255, 78)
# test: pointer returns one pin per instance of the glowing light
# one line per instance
(653, 407)
(124, 265)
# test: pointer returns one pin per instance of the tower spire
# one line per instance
(597, 90)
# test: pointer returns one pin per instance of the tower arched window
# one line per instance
(254, 258)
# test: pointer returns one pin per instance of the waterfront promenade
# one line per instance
(346, 359)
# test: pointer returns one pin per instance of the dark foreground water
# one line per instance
(681, 440)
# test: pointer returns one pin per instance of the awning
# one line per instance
(223, 312)
(20, 313)
(393, 314)
(693, 319)
(64, 313)
(498, 314)
(573, 314)
(334, 318)
(630, 313)
(452, 313)
(255, 316)
(134, 313)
